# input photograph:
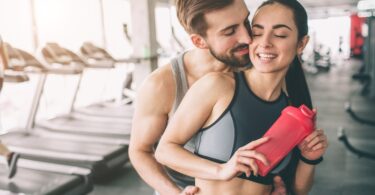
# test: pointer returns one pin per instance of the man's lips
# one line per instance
(242, 50)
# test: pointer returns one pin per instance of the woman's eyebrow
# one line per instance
(281, 26)
(273, 27)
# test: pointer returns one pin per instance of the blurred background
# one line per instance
(45, 90)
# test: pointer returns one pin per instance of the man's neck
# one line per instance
(199, 62)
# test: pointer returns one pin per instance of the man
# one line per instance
(219, 40)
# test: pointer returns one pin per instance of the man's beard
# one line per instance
(232, 60)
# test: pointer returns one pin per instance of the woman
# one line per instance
(238, 108)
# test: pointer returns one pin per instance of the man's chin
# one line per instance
(244, 61)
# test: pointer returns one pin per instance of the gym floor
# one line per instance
(341, 172)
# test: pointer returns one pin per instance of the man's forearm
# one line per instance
(304, 178)
(153, 172)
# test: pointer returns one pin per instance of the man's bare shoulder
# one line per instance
(160, 80)
(158, 89)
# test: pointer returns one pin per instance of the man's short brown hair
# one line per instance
(190, 13)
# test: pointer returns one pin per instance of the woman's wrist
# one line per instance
(218, 170)
(310, 161)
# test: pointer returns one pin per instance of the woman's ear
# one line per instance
(302, 44)
(198, 41)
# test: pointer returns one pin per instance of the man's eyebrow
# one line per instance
(235, 25)
(229, 27)
(273, 27)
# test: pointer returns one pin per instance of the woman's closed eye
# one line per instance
(281, 36)
(276, 35)
(256, 33)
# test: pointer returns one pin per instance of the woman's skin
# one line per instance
(274, 46)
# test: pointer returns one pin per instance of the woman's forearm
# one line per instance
(304, 178)
(185, 162)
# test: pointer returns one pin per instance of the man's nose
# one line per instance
(244, 36)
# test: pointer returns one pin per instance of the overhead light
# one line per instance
(366, 5)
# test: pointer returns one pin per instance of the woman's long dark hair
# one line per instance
(295, 81)
(295, 78)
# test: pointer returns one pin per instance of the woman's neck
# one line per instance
(266, 86)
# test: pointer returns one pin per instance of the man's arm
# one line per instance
(150, 118)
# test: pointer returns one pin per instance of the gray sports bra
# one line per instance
(246, 119)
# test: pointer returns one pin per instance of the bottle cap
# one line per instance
(306, 111)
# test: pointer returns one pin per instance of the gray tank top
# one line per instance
(181, 89)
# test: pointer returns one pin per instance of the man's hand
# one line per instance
(279, 185)
(190, 190)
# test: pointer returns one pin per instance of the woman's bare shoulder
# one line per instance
(215, 83)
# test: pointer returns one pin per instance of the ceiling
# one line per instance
(320, 8)
(315, 8)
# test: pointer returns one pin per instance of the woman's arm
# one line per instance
(192, 114)
(312, 149)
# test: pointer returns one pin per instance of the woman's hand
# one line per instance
(243, 161)
(314, 145)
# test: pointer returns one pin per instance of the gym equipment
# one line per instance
(36, 144)
(104, 131)
(35, 177)
(349, 110)
(40, 177)
(121, 109)
(366, 75)
(360, 153)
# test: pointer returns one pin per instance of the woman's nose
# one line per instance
(265, 41)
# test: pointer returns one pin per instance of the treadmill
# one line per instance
(80, 124)
(94, 55)
(36, 144)
(35, 177)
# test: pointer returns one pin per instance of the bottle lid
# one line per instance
(306, 111)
